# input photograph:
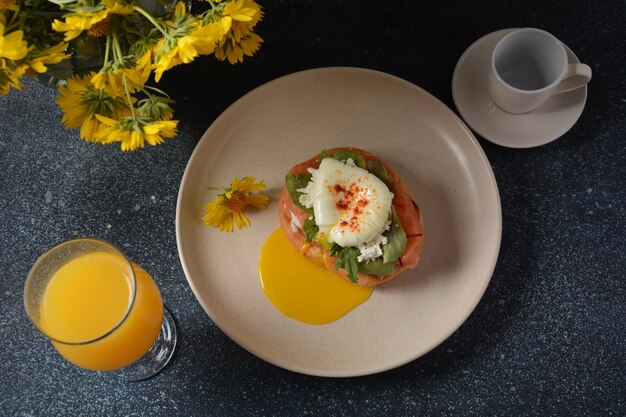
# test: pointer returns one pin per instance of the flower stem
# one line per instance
(118, 48)
(107, 49)
(151, 19)
(13, 22)
(217, 188)
(130, 103)
(116, 45)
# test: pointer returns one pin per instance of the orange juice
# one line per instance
(100, 317)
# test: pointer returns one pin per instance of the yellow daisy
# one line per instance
(109, 81)
(114, 132)
(101, 28)
(202, 40)
(164, 61)
(89, 128)
(207, 37)
(133, 135)
(238, 20)
(242, 16)
(80, 101)
(228, 208)
(156, 131)
(74, 109)
(112, 80)
(8, 5)
(144, 65)
(116, 7)
(12, 45)
(186, 39)
(75, 23)
(48, 56)
(10, 77)
(234, 51)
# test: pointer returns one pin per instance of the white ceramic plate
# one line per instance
(291, 119)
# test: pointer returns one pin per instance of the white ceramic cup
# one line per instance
(528, 66)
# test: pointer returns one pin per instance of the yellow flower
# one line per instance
(115, 7)
(74, 110)
(133, 134)
(102, 28)
(156, 131)
(8, 5)
(243, 15)
(234, 51)
(48, 56)
(186, 39)
(114, 132)
(90, 127)
(112, 80)
(75, 23)
(228, 208)
(12, 46)
(80, 101)
(207, 37)
(238, 20)
(144, 64)
(165, 61)
(109, 81)
(10, 77)
(186, 46)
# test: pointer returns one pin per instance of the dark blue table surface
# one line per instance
(548, 337)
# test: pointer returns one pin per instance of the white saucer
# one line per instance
(471, 97)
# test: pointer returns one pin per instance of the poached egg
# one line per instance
(351, 205)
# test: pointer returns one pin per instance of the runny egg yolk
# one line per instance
(302, 290)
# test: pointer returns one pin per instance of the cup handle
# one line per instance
(577, 75)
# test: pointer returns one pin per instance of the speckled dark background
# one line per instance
(549, 336)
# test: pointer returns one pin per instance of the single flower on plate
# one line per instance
(228, 207)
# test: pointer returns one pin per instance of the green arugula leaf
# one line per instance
(324, 155)
(293, 182)
(310, 229)
(347, 260)
(377, 168)
(343, 155)
(396, 240)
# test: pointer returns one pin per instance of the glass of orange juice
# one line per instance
(100, 311)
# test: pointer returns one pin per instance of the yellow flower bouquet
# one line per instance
(106, 51)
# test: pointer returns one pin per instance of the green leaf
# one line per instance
(377, 168)
(293, 182)
(324, 155)
(343, 155)
(377, 267)
(347, 260)
(396, 241)
(310, 229)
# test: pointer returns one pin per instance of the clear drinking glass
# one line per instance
(100, 311)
